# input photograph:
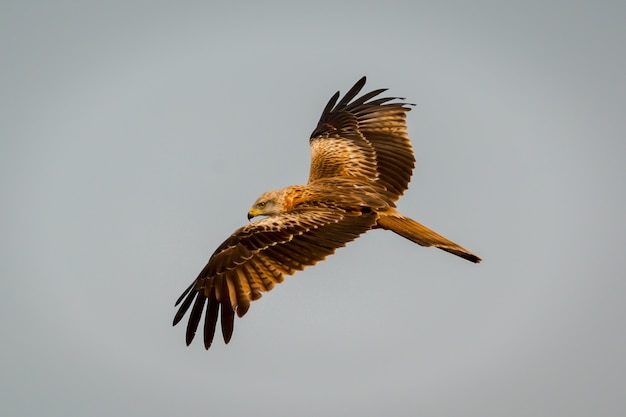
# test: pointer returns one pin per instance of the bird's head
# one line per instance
(267, 204)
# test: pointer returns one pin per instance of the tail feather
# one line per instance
(422, 235)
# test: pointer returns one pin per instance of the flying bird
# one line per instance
(361, 163)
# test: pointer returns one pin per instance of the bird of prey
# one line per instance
(361, 163)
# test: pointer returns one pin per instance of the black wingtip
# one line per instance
(228, 322)
(358, 86)
(182, 310)
(210, 321)
(184, 294)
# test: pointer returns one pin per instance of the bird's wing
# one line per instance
(364, 138)
(258, 256)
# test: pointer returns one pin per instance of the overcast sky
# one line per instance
(135, 136)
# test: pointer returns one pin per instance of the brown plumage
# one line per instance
(361, 163)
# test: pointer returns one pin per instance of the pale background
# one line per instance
(134, 137)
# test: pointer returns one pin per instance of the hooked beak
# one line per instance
(252, 213)
(250, 216)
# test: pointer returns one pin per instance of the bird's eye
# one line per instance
(261, 204)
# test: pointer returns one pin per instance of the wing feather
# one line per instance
(254, 281)
(351, 92)
(210, 322)
(242, 287)
(228, 321)
(194, 318)
(269, 274)
(258, 256)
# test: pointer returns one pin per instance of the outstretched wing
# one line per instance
(258, 256)
(364, 138)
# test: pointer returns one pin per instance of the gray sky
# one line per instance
(135, 136)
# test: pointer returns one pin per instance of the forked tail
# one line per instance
(422, 235)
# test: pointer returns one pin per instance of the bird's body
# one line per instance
(361, 163)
